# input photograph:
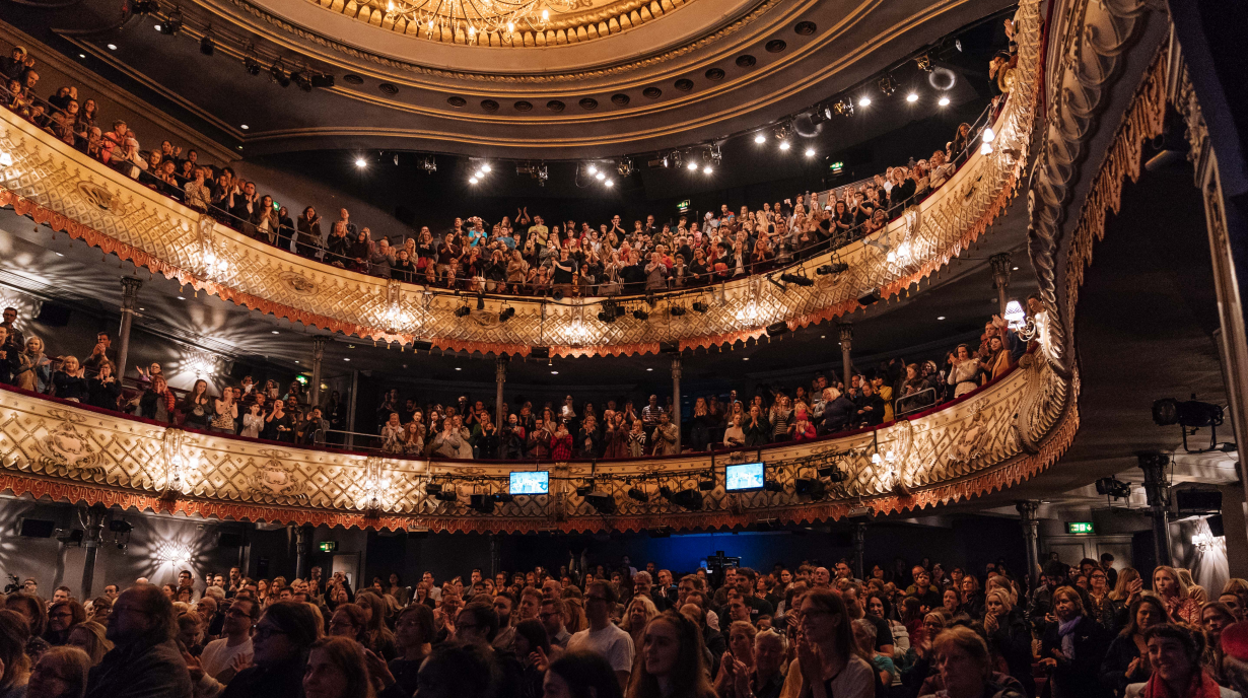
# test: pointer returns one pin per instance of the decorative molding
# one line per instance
(68, 452)
(47, 181)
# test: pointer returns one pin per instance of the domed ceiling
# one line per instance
(500, 78)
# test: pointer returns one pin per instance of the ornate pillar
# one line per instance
(676, 398)
(318, 355)
(860, 549)
(1001, 280)
(496, 555)
(500, 377)
(847, 340)
(303, 548)
(1157, 492)
(1031, 537)
(93, 521)
(129, 298)
(355, 387)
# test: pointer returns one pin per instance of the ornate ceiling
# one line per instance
(611, 77)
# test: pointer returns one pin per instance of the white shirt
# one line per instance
(610, 643)
(218, 656)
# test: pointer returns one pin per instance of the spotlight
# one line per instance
(641, 314)
(361, 163)
(707, 170)
(813, 488)
(864, 101)
(473, 180)
(942, 79)
(845, 107)
(924, 63)
(676, 311)
(1113, 487)
(777, 328)
(507, 314)
(624, 167)
(144, 7)
(483, 503)
(784, 145)
(586, 488)
(912, 97)
(773, 486)
(760, 138)
(888, 85)
(252, 66)
(322, 80)
(692, 166)
(447, 496)
(172, 25)
(638, 494)
(833, 474)
(304, 82)
(429, 164)
(715, 154)
(504, 497)
(944, 101)
(707, 483)
(207, 45)
(279, 74)
(674, 159)
(600, 176)
(699, 306)
(989, 135)
(609, 183)
(604, 503)
(1190, 414)
(797, 279)
(592, 169)
(433, 488)
(833, 268)
(463, 311)
(810, 152)
(689, 499)
(486, 168)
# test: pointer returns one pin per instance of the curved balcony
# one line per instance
(56, 185)
(987, 440)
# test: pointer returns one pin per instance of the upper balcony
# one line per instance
(55, 184)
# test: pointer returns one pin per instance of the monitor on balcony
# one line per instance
(744, 477)
(530, 482)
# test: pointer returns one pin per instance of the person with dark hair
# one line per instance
(828, 662)
(1126, 661)
(216, 662)
(144, 660)
(415, 632)
(14, 633)
(60, 673)
(281, 641)
(672, 661)
(62, 617)
(1073, 648)
(1174, 654)
(1041, 602)
(581, 675)
(336, 669)
(457, 670)
(965, 666)
(477, 623)
(30, 607)
(602, 636)
(531, 647)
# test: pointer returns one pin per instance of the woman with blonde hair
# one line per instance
(574, 614)
(670, 661)
(641, 610)
(1073, 647)
(1174, 593)
(90, 638)
(829, 663)
(1009, 636)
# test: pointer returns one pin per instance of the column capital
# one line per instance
(1001, 265)
(676, 368)
(130, 286)
(846, 331)
(500, 369)
(1027, 509)
(318, 346)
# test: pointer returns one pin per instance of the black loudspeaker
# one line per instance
(869, 298)
(230, 539)
(540, 353)
(36, 528)
(1216, 529)
(1199, 500)
(53, 315)
(669, 347)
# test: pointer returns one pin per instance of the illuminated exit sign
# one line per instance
(329, 546)
(1079, 527)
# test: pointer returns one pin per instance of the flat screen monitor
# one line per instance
(530, 482)
(744, 477)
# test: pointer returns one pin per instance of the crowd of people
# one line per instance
(469, 430)
(1089, 631)
(527, 254)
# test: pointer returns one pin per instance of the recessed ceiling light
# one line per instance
(810, 152)
(707, 170)
(554, 373)
(649, 369)
(245, 127)
(912, 97)
(142, 309)
(865, 101)
(823, 336)
(760, 138)
(82, 55)
(1015, 268)
(181, 298)
(692, 166)
(296, 360)
(156, 27)
(940, 317)
(784, 145)
(944, 101)
(276, 332)
(745, 358)
(610, 182)
(58, 254)
(457, 368)
(112, 47)
(345, 358)
(361, 163)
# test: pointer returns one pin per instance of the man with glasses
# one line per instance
(551, 616)
(218, 659)
(144, 660)
(477, 625)
(280, 648)
(603, 637)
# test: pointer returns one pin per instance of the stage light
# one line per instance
(760, 138)
(207, 45)
(706, 484)
(604, 503)
(251, 65)
(985, 149)
(784, 145)
(322, 80)
(463, 311)
(638, 494)
(504, 497)
(472, 180)
(447, 496)
(600, 176)
(486, 168)
(699, 306)
(813, 488)
(507, 314)
(609, 183)
(798, 279)
(773, 486)
(693, 166)
(944, 101)
(1191, 414)
(864, 101)
(833, 268)
(777, 328)
(641, 314)
(676, 311)
(1113, 487)
(304, 82)
(361, 163)
(433, 488)
(480, 303)
(833, 474)
(888, 85)
(593, 169)
(172, 25)
(810, 152)
(279, 74)
(912, 97)
(483, 503)
(624, 167)
(707, 170)
(429, 164)
(689, 499)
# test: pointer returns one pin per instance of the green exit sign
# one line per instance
(683, 206)
(329, 546)
(837, 166)
(1079, 527)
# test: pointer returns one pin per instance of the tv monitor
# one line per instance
(744, 477)
(529, 482)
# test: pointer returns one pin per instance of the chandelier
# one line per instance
(472, 18)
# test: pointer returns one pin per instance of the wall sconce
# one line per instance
(173, 554)
(201, 363)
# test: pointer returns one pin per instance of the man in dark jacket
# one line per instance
(145, 661)
(838, 411)
(869, 407)
(281, 643)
